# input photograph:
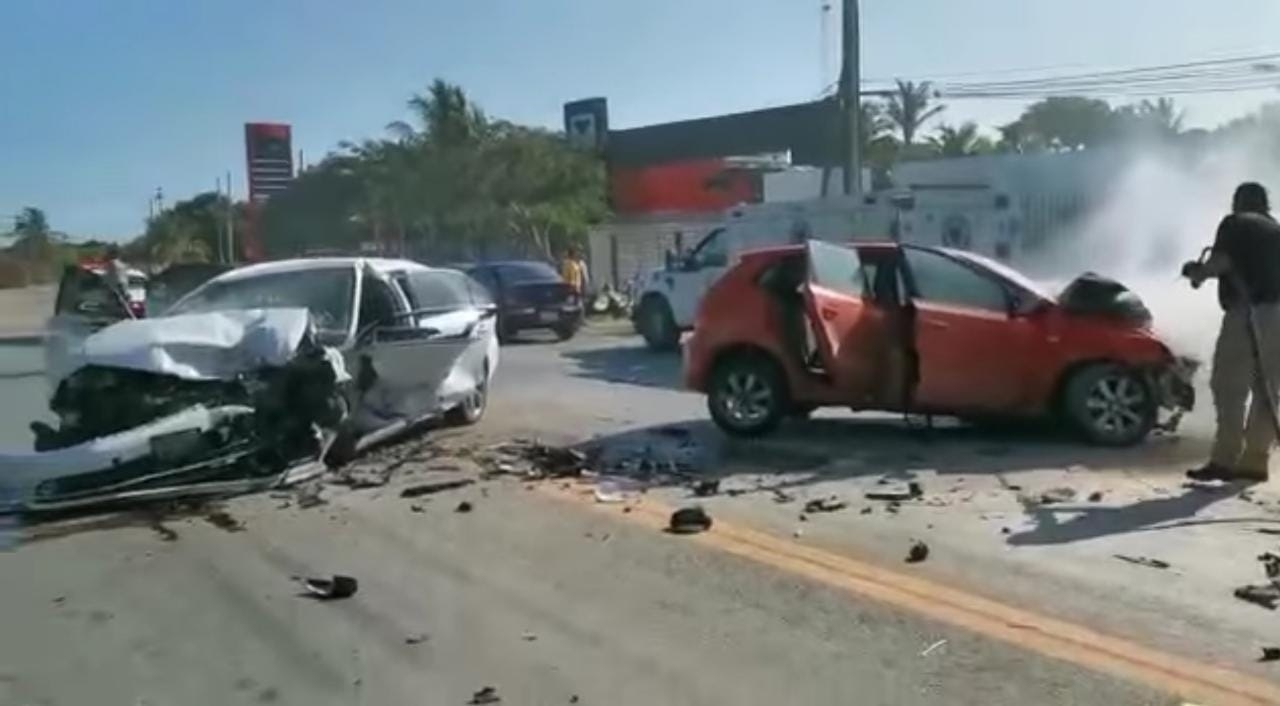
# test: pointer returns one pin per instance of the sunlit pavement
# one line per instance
(546, 601)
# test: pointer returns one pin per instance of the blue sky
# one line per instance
(104, 100)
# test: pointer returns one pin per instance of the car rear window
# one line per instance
(439, 290)
(527, 272)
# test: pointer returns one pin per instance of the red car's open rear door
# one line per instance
(848, 326)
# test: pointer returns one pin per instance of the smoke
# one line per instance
(1160, 209)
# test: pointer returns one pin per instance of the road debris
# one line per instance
(1268, 530)
(364, 475)
(1054, 496)
(486, 695)
(310, 495)
(689, 520)
(1270, 564)
(1143, 561)
(339, 586)
(866, 510)
(417, 507)
(896, 492)
(163, 531)
(416, 638)
(463, 506)
(1266, 595)
(781, 496)
(707, 487)
(529, 636)
(830, 503)
(919, 552)
(223, 521)
(1270, 654)
(930, 649)
(1095, 496)
(415, 491)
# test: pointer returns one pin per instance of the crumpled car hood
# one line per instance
(210, 346)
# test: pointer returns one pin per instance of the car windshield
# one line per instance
(527, 272)
(327, 293)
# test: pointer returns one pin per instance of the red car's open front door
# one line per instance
(848, 326)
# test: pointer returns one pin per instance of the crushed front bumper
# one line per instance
(1173, 384)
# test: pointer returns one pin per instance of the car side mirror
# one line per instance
(690, 264)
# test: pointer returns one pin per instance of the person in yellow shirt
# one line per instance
(574, 271)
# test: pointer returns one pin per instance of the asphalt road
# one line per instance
(546, 598)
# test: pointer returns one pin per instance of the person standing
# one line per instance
(1245, 259)
(574, 270)
(117, 275)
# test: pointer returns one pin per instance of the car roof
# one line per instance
(506, 263)
(378, 264)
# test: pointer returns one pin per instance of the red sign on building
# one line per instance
(269, 161)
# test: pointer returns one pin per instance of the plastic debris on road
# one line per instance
(689, 520)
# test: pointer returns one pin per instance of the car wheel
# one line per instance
(656, 323)
(1110, 404)
(747, 396)
(565, 331)
(471, 409)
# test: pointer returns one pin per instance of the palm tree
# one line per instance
(909, 108)
(31, 221)
(1162, 116)
(951, 141)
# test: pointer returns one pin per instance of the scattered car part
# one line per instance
(486, 695)
(932, 648)
(828, 504)
(1095, 496)
(464, 506)
(689, 520)
(415, 491)
(333, 588)
(1266, 595)
(1143, 561)
(416, 638)
(706, 488)
(1270, 654)
(1054, 496)
(919, 552)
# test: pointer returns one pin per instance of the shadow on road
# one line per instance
(805, 453)
(631, 365)
(1089, 522)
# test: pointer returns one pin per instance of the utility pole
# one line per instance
(850, 92)
(231, 223)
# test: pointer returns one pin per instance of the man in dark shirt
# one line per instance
(1245, 256)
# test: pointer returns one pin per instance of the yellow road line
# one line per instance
(1190, 680)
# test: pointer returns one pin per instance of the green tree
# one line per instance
(910, 107)
(1064, 123)
(962, 141)
(31, 221)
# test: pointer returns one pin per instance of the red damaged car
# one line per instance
(884, 326)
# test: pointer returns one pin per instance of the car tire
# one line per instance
(505, 332)
(747, 396)
(1111, 404)
(565, 331)
(656, 323)
(472, 408)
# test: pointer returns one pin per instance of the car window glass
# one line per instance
(440, 290)
(836, 268)
(487, 279)
(480, 295)
(528, 272)
(713, 251)
(327, 293)
(377, 303)
(942, 280)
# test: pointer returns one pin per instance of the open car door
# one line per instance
(848, 324)
(85, 304)
(415, 362)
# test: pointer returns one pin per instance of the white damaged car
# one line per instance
(254, 377)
